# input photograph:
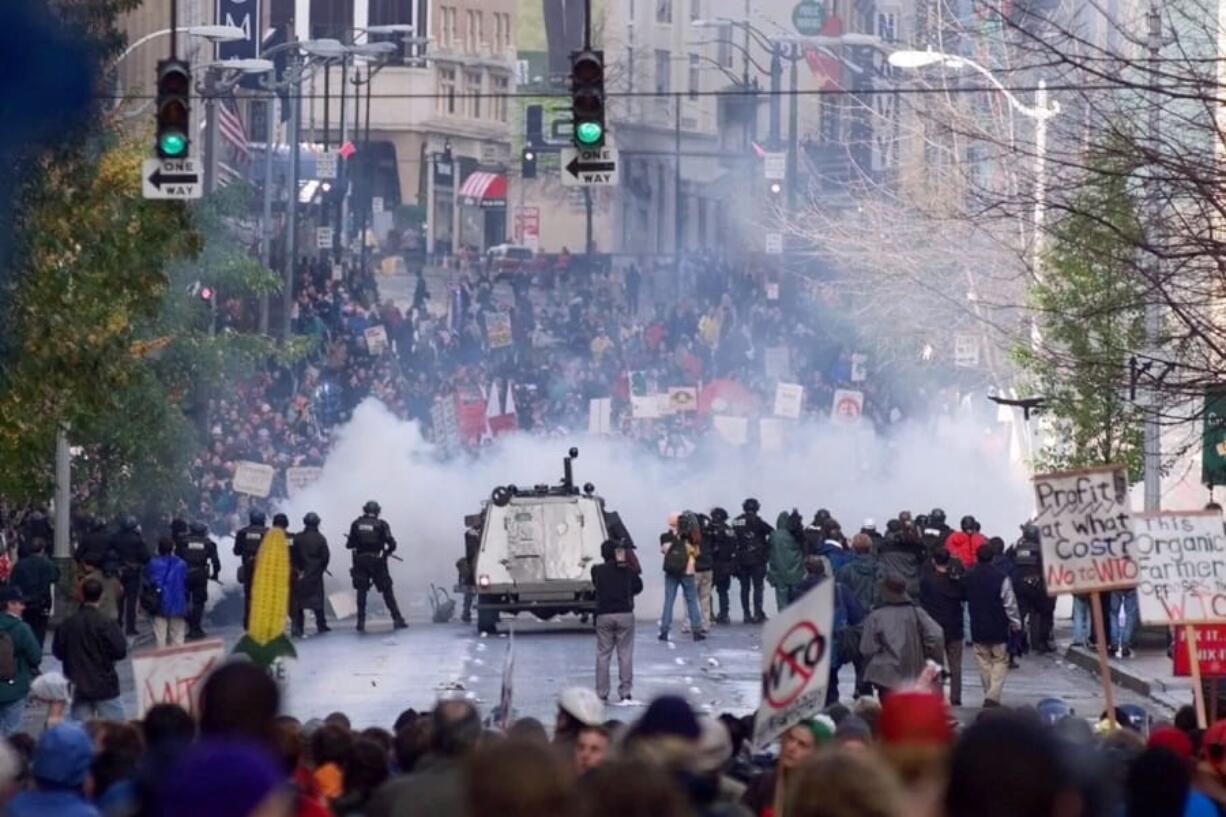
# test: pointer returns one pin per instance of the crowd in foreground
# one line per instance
(905, 757)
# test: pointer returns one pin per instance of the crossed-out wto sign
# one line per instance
(795, 663)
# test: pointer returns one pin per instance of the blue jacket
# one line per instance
(50, 803)
(169, 574)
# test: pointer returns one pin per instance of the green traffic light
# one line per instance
(172, 145)
(588, 133)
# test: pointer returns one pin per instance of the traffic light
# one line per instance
(587, 97)
(528, 164)
(173, 108)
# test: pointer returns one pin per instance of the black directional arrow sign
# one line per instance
(171, 179)
(577, 167)
(585, 168)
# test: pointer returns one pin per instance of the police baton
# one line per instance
(394, 556)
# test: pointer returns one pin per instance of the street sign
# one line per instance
(775, 166)
(325, 165)
(323, 238)
(171, 179)
(774, 243)
(809, 17)
(584, 168)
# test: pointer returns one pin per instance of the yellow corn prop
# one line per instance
(265, 637)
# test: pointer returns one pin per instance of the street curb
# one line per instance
(1123, 676)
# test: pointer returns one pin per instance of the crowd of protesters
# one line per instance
(241, 756)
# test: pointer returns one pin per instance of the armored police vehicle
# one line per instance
(537, 549)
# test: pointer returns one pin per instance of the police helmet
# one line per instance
(719, 514)
(280, 521)
(177, 526)
(128, 523)
(371, 507)
(1053, 710)
(256, 517)
(893, 526)
(311, 520)
(1132, 716)
(97, 523)
(936, 516)
(969, 524)
(1030, 532)
(822, 515)
(751, 505)
(198, 528)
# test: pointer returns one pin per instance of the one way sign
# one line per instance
(171, 179)
(584, 168)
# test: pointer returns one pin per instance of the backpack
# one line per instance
(8, 658)
(150, 596)
(676, 558)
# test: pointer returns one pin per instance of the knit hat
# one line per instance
(822, 728)
(853, 728)
(219, 778)
(1173, 740)
(913, 717)
(63, 756)
(669, 715)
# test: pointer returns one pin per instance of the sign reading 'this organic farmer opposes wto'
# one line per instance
(1085, 526)
(1183, 567)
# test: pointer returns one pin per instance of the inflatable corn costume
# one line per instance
(265, 639)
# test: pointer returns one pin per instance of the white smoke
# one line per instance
(855, 474)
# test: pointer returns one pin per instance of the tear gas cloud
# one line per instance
(854, 473)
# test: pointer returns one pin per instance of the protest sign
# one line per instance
(847, 406)
(507, 693)
(796, 647)
(1182, 558)
(788, 399)
(1210, 648)
(174, 675)
(253, 478)
(682, 399)
(600, 416)
(376, 340)
(859, 370)
(646, 407)
(777, 362)
(498, 329)
(733, 430)
(1085, 527)
(299, 478)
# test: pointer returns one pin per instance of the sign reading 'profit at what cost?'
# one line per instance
(1182, 555)
(796, 647)
(174, 675)
(1085, 526)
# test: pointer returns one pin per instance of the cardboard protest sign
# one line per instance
(1086, 530)
(600, 416)
(1182, 557)
(788, 399)
(682, 398)
(253, 478)
(301, 477)
(1210, 649)
(376, 340)
(174, 675)
(847, 406)
(498, 329)
(796, 647)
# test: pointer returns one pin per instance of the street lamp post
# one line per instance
(220, 78)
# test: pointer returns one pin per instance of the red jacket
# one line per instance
(962, 546)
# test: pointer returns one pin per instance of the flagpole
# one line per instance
(210, 132)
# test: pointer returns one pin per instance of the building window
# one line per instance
(480, 35)
(694, 77)
(664, 11)
(446, 91)
(447, 26)
(472, 92)
(470, 31)
(887, 26)
(331, 18)
(391, 12)
(506, 32)
(723, 45)
(695, 9)
(664, 70)
(500, 87)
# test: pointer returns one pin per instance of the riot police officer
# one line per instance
(1037, 608)
(309, 557)
(133, 554)
(752, 552)
(370, 539)
(723, 549)
(95, 547)
(246, 546)
(464, 567)
(200, 553)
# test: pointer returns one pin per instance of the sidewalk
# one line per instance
(1148, 672)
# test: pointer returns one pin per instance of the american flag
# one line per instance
(233, 159)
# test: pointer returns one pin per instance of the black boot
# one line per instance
(321, 624)
(398, 622)
(361, 611)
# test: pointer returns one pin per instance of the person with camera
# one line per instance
(617, 582)
(680, 546)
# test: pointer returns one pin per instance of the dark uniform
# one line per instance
(465, 567)
(200, 553)
(95, 549)
(132, 554)
(247, 546)
(371, 541)
(723, 553)
(752, 551)
(1037, 608)
(309, 556)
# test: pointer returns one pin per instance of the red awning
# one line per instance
(484, 189)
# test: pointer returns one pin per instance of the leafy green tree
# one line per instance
(1090, 312)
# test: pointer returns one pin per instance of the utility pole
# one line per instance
(678, 226)
(210, 132)
(793, 127)
(63, 494)
(294, 71)
(1152, 438)
(776, 109)
(266, 220)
